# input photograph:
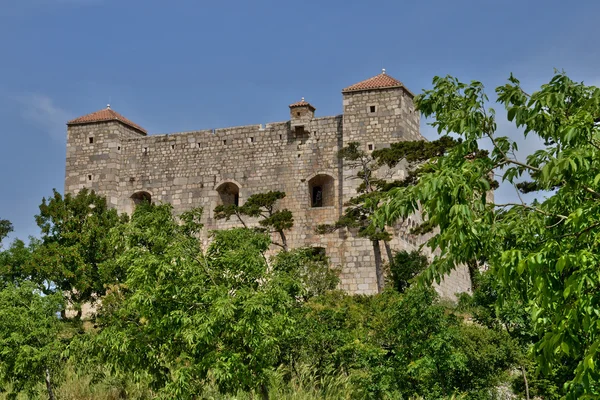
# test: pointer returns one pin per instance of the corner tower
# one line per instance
(379, 111)
(94, 145)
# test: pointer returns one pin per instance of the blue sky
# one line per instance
(191, 64)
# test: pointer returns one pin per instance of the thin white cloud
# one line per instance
(41, 111)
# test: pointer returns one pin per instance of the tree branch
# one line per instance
(531, 208)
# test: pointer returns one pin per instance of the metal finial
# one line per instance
(108, 106)
(383, 71)
(303, 99)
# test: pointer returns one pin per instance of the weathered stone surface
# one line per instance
(188, 169)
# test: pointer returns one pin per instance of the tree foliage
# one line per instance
(185, 316)
(5, 228)
(405, 268)
(261, 205)
(30, 348)
(75, 254)
(545, 251)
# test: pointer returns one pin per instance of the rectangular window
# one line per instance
(91, 140)
(370, 146)
(225, 142)
(250, 139)
(372, 109)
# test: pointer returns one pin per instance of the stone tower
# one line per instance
(94, 144)
(115, 157)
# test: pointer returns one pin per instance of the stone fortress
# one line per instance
(116, 158)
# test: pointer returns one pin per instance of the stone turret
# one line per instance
(301, 113)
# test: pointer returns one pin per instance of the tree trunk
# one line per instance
(283, 240)
(526, 384)
(378, 268)
(388, 251)
(49, 385)
(264, 391)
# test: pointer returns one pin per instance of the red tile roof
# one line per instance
(106, 114)
(302, 103)
(381, 81)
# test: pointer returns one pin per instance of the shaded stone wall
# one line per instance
(186, 169)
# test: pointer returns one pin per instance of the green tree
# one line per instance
(546, 251)
(261, 205)
(5, 228)
(75, 255)
(406, 267)
(16, 261)
(30, 349)
(184, 315)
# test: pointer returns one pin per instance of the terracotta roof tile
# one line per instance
(302, 103)
(381, 81)
(106, 114)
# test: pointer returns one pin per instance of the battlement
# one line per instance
(117, 158)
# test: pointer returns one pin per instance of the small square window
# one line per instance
(372, 109)
(119, 148)
(297, 114)
(145, 150)
(225, 142)
(250, 139)
(91, 140)
(370, 146)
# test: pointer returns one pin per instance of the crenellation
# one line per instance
(205, 168)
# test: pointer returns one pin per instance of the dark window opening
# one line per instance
(229, 194)
(318, 253)
(141, 197)
(321, 191)
(251, 140)
(89, 177)
(317, 196)
(372, 109)
(225, 142)
(199, 145)
(91, 140)
(172, 147)
(297, 114)
(280, 137)
(370, 146)
(119, 148)
(145, 150)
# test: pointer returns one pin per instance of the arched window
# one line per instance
(229, 193)
(321, 191)
(141, 197)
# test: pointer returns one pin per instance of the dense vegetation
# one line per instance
(249, 317)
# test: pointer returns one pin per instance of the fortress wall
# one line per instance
(185, 169)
